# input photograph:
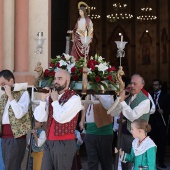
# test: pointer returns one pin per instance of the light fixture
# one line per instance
(39, 42)
(146, 15)
(93, 14)
(119, 13)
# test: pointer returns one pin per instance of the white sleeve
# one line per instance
(106, 101)
(41, 139)
(152, 110)
(41, 112)
(136, 112)
(20, 108)
(65, 113)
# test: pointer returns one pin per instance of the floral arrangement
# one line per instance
(99, 71)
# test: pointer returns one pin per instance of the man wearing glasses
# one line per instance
(159, 120)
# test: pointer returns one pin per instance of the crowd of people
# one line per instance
(60, 108)
(56, 147)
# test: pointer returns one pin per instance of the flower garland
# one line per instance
(98, 70)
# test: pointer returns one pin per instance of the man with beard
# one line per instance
(60, 109)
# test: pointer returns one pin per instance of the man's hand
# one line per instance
(81, 125)
(45, 95)
(123, 96)
(8, 92)
(54, 95)
(33, 131)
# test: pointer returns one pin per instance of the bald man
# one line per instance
(60, 109)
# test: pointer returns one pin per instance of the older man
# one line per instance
(60, 109)
(133, 106)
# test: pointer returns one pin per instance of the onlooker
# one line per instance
(39, 138)
(143, 152)
(60, 109)
(15, 121)
(159, 120)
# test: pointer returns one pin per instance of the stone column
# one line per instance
(1, 33)
(21, 60)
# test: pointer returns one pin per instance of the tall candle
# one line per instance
(121, 38)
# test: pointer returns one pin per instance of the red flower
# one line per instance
(92, 63)
(109, 77)
(97, 78)
(58, 65)
(52, 64)
(113, 68)
(52, 74)
(73, 69)
(46, 72)
(92, 67)
(81, 70)
(75, 77)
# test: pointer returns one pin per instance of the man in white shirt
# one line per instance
(60, 108)
(15, 121)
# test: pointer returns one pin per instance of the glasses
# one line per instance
(155, 84)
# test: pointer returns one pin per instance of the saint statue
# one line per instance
(83, 28)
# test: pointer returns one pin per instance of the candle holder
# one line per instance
(120, 51)
(40, 42)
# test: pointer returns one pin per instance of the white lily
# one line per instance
(100, 58)
(58, 56)
(67, 56)
(89, 71)
(62, 63)
(102, 67)
(69, 66)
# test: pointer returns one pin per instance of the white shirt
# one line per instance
(106, 101)
(61, 114)
(19, 108)
(136, 112)
(41, 139)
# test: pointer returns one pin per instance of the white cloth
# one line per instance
(153, 108)
(61, 113)
(146, 144)
(106, 101)
(41, 139)
(82, 24)
(19, 108)
(136, 112)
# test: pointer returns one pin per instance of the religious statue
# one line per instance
(83, 28)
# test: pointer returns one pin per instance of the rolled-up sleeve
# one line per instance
(136, 112)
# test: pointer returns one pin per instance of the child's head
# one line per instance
(38, 124)
(139, 126)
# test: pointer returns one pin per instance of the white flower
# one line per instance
(67, 56)
(102, 67)
(58, 56)
(62, 63)
(69, 66)
(100, 58)
(89, 71)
